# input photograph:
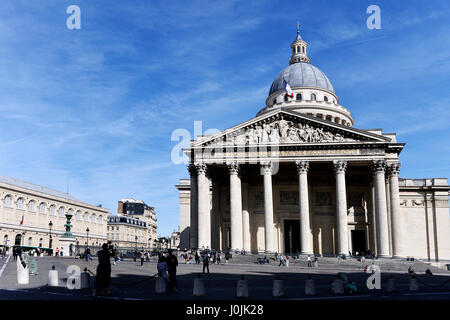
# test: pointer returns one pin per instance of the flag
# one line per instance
(288, 89)
(21, 221)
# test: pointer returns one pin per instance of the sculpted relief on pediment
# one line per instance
(279, 131)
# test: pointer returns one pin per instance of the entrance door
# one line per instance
(359, 243)
(291, 236)
(18, 240)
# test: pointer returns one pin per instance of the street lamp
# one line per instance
(50, 225)
(87, 235)
(135, 238)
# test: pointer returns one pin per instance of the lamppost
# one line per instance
(135, 238)
(50, 225)
(87, 235)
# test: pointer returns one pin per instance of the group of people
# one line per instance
(167, 269)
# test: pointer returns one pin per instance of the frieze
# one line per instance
(323, 199)
(288, 198)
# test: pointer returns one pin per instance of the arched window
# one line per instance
(70, 212)
(18, 240)
(100, 220)
(299, 97)
(313, 97)
(303, 49)
(275, 101)
(52, 210)
(86, 216)
(298, 49)
(325, 98)
(61, 212)
(93, 218)
(30, 241)
(20, 204)
(78, 215)
(40, 243)
(31, 206)
(8, 201)
(42, 208)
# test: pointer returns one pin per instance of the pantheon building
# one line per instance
(299, 178)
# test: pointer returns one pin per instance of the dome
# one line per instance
(301, 74)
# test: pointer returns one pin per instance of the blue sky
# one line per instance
(97, 106)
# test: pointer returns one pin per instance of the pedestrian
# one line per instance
(227, 256)
(197, 257)
(103, 277)
(316, 263)
(88, 254)
(61, 252)
(281, 261)
(147, 256)
(205, 262)
(162, 267)
(142, 257)
(15, 254)
(57, 252)
(172, 263)
(218, 257)
(287, 261)
(309, 261)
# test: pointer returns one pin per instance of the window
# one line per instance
(299, 97)
(93, 218)
(52, 210)
(70, 212)
(286, 98)
(8, 201)
(42, 208)
(107, 236)
(275, 101)
(78, 215)
(31, 206)
(61, 212)
(100, 220)
(20, 204)
(86, 216)
(40, 242)
(303, 49)
(313, 97)
(30, 241)
(325, 98)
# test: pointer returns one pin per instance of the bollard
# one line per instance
(53, 277)
(338, 286)
(310, 287)
(160, 285)
(391, 284)
(199, 287)
(278, 290)
(23, 275)
(85, 280)
(242, 288)
(413, 284)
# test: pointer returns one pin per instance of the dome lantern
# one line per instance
(299, 49)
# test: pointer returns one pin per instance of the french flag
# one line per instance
(21, 221)
(288, 89)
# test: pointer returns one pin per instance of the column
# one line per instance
(269, 234)
(204, 213)
(378, 168)
(215, 217)
(341, 207)
(245, 219)
(193, 230)
(235, 206)
(396, 219)
(305, 225)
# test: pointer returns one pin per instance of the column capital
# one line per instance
(393, 168)
(201, 168)
(233, 168)
(378, 166)
(192, 170)
(266, 167)
(339, 166)
(302, 166)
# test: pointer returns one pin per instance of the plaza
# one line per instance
(130, 281)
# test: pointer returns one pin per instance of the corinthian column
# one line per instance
(305, 226)
(204, 213)
(341, 207)
(378, 168)
(193, 230)
(269, 234)
(396, 218)
(235, 206)
(245, 219)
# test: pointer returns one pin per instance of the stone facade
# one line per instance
(298, 179)
(127, 232)
(39, 206)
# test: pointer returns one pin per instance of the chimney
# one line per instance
(120, 207)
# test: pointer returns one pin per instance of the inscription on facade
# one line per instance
(323, 199)
(288, 198)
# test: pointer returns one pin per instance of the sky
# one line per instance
(92, 111)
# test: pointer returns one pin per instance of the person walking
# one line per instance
(172, 263)
(205, 262)
(316, 263)
(57, 252)
(142, 257)
(309, 261)
(281, 261)
(197, 257)
(88, 255)
(218, 257)
(103, 278)
(287, 261)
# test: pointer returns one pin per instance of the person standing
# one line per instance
(15, 254)
(197, 258)
(218, 257)
(309, 261)
(205, 262)
(287, 261)
(57, 252)
(142, 257)
(172, 263)
(103, 278)
(281, 261)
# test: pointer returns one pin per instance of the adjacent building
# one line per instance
(34, 216)
(300, 177)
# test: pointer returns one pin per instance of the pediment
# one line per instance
(287, 127)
